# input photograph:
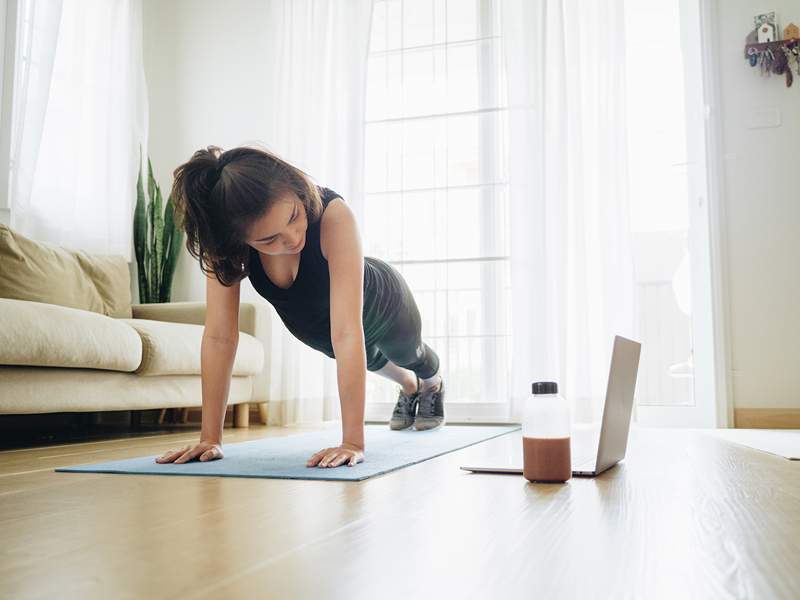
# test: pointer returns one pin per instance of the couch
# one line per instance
(71, 340)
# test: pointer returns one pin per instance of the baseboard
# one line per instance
(767, 418)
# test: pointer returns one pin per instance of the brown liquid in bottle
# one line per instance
(546, 459)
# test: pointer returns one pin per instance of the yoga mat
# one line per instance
(783, 442)
(286, 457)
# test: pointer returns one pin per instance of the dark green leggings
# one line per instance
(402, 344)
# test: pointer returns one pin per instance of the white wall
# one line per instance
(205, 63)
(762, 205)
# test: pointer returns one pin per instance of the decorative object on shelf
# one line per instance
(764, 49)
(766, 28)
(157, 240)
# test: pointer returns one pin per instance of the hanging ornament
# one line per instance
(752, 56)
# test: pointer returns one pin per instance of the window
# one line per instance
(436, 199)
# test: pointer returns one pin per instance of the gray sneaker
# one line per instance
(431, 409)
(403, 415)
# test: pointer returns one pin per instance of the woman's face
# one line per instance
(282, 230)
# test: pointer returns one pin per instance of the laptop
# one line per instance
(596, 451)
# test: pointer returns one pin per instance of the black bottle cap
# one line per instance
(545, 387)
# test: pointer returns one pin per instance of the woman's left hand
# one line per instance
(333, 457)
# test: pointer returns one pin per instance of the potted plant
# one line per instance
(156, 238)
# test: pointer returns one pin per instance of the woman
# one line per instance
(248, 213)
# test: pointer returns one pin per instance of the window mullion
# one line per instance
(487, 171)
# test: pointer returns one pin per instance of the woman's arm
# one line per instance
(217, 354)
(351, 367)
(341, 245)
(216, 364)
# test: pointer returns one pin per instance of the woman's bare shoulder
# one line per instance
(338, 224)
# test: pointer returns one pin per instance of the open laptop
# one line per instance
(594, 452)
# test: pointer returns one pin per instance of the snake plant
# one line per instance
(157, 240)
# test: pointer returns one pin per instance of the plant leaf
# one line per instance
(151, 266)
(151, 181)
(172, 247)
(167, 248)
(140, 234)
(158, 243)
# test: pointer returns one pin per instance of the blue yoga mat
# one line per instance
(286, 457)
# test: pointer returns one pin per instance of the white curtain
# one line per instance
(571, 250)
(79, 116)
(318, 61)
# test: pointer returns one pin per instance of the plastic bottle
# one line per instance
(546, 451)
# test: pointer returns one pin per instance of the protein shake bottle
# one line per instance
(546, 455)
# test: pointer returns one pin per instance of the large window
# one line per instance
(436, 197)
(436, 201)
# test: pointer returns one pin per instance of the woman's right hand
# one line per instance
(204, 450)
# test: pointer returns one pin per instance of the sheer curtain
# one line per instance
(318, 59)
(571, 249)
(79, 117)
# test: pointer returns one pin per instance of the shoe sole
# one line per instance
(429, 428)
(400, 428)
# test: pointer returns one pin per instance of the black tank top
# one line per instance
(304, 307)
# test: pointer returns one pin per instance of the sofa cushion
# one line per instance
(47, 335)
(28, 390)
(174, 349)
(41, 272)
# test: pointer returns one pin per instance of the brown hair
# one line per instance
(219, 194)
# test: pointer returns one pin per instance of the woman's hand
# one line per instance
(333, 457)
(205, 450)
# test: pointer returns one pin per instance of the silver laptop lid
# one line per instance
(619, 402)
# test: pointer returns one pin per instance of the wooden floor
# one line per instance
(683, 516)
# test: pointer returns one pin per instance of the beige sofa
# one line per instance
(72, 341)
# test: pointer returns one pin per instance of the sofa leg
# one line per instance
(262, 412)
(241, 415)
